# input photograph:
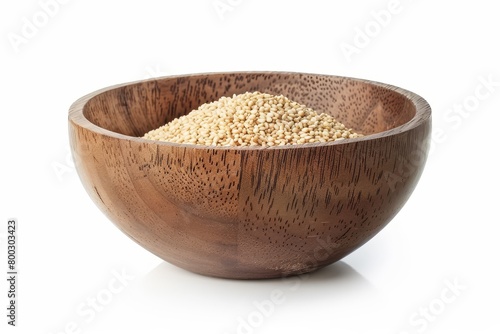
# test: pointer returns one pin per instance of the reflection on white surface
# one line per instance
(170, 295)
(334, 279)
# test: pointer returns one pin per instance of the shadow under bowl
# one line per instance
(250, 212)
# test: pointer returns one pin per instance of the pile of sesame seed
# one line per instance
(251, 119)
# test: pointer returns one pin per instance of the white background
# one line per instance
(69, 253)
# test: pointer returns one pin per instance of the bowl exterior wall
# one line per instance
(257, 213)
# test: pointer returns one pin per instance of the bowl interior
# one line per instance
(137, 108)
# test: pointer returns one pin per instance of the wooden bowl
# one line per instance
(250, 212)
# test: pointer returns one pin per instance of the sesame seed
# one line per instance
(252, 119)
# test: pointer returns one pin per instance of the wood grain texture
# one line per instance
(250, 212)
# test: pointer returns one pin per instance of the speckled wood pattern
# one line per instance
(250, 212)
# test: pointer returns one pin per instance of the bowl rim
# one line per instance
(422, 113)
